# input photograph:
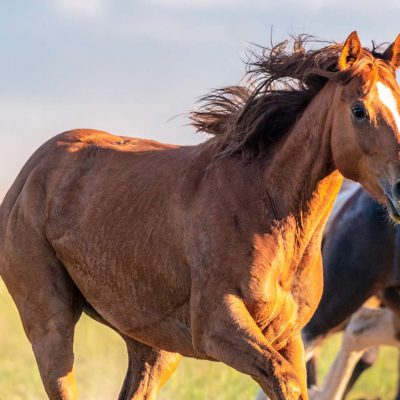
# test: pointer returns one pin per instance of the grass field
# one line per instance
(101, 362)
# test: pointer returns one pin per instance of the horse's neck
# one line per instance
(302, 173)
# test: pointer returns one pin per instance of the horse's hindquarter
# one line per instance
(115, 224)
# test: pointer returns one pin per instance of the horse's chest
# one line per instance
(282, 302)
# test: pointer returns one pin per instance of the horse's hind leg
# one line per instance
(148, 370)
(312, 372)
(49, 306)
(367, 361)
(52, 343)
(367, 328)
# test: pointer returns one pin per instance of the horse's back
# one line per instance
(67, 159)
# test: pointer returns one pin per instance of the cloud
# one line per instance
(80, 8)
(202, 4)
(239, 4)
(172, 29)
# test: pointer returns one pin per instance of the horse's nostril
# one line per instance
(396, 190)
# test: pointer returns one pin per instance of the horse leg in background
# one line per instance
(148, 368)
(49, 305)
(391, 298)
(312, 372)
(367, 328)
(367, 361)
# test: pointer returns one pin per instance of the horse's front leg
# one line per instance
(294, 353)
(223, 329)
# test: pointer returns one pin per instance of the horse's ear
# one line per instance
(351, 51)
(392, 53)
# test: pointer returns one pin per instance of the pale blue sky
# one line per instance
(129, 66)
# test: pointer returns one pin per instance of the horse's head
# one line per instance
(366, 127)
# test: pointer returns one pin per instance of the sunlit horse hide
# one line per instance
(209, 251)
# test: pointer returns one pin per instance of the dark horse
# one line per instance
(361, 255)
(210, 251)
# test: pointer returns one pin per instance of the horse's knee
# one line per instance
(356, 336)
(365, 362)
(369, 357)
(352, 341)
(370, 327)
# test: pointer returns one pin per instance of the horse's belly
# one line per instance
(146, 301)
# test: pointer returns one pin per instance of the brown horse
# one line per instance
(210, 251)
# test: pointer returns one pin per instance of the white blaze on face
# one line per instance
(387, 98)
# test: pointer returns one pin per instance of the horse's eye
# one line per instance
(359, 112)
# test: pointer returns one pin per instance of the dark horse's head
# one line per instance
(366, 129)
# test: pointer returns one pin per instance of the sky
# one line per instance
(134, 67)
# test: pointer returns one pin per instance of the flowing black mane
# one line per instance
(280, 83)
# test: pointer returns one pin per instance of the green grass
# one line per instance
(101, 362)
